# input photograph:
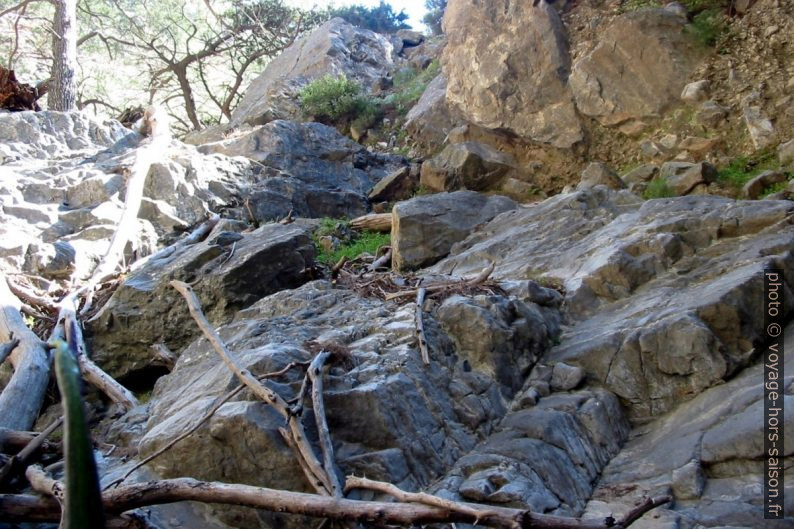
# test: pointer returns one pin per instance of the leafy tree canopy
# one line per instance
(381, 18)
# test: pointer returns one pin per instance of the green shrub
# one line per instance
(658, 188)
(707, 26)
(380, 18)
(331, 98)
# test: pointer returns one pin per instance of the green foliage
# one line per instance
(435, 15)
(381, 18)
(82, 507)
(410, 84)
(707, 26)
(365, 242)
(774, 188)
(744, 168)
(658, 188)
(331, 99)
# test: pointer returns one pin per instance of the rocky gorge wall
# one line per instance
(614, 353)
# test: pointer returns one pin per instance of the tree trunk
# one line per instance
(187, 94)
(63, 89)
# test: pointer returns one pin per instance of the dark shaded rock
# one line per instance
(310, 169)
(146, 310)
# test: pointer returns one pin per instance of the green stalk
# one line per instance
(82, 508)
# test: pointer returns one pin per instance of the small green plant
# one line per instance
(658, 188)
(366, 242)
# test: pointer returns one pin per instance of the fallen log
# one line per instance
(6, 348)
(380, 222)
(21, 399)
(20, 508)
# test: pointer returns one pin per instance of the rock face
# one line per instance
(431, 119)
(54, 134)
(620, 81)
(391, 417)
(335, 48)
(62, 187)
(665, 293)
(425, 228)
(709, 452)
(310, 169)
(507, 68)
(235, 270)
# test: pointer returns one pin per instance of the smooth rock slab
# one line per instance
(709, 451)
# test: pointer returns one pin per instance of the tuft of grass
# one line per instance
(366, 242)
(658, 188)
(775, 188)
(744, 168)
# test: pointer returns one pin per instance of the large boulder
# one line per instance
(621, 80)
(335, 48)
(425, 228)
(469, 165)
(507, 67)
(230, 271)
(665, 294)
(309, 169)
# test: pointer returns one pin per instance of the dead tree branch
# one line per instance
(329, 463)
(317, 477)
(420, 326)
(21, 460)
(17, 508)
